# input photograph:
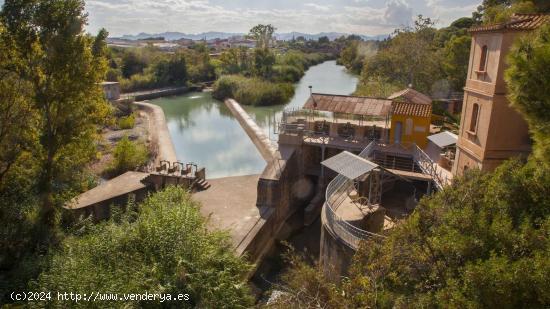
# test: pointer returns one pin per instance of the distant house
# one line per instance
(451, 102)
(242, 43)
(111, 90)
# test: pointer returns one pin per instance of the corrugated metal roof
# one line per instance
(412, 109)
(517, 22)
(349, 104)
(443, 139)
(349, 165)
(410, 95)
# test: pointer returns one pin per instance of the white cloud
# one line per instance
(370, 17)
(398, 13)
(322, 8)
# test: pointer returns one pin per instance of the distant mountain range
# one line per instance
(170, 36)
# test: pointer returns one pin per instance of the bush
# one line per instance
(127, 122)
(287, 73)
(252, 91)
(163, 248)
(128, 155)
(138, 82)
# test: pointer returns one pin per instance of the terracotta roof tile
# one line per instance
(349, 104)
(517, 22)
(412, 109)
(410, 95)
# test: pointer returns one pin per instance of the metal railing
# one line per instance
(337, 191)
(345, 231)
(428, 166)
(340, 187)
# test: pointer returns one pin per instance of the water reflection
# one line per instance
(204, 131)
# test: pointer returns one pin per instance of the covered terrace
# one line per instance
(336, 118)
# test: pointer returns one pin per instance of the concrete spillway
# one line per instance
(256, 134)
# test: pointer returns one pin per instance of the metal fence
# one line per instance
(340, 187)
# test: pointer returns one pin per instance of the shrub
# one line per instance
(287, 73)
(128, 155)
(252, 91)
(138, 82)
(163, 248)
(127, 122)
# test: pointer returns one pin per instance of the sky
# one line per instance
(367, 17)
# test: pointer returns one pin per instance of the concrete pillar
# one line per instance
(360, 132)
(333, 129)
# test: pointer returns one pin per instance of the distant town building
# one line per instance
(490, 130)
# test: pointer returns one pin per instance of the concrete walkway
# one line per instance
(118, 186)
(159, 132)
(231, 205)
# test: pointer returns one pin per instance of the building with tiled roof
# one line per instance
(412, 109)
(490, 130)
(408, 114)
(410, 95)
(363, 106)
(410, 122)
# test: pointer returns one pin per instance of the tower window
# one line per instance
(474, 118)
(483, 59)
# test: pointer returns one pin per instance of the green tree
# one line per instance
(410, 57)
(263, 34)
(456, 56)
(528, 80)
(481, 243)
(494, 11)
(172, 71)
(18, 117)
(235, 60)
(132, 64)
(264, 60)
(163, 248)
(67, 66)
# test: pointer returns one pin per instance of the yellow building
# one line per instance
(410, 117)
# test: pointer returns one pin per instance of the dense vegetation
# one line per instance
(484, 242)
(52, 111)
(163, 247)
(261, 77)
(148, 67)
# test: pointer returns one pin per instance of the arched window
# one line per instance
(483, 59)
(474, 118)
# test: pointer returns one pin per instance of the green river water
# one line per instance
(205, 132)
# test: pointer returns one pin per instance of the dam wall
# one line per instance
(255, 133)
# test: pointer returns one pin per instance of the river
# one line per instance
(205, 132)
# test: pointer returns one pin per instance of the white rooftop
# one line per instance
(349, 165)
(443, 139)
